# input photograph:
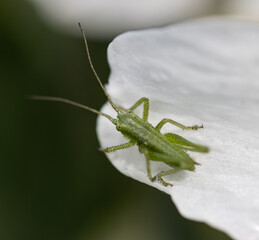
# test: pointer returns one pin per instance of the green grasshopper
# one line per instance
(168, 148)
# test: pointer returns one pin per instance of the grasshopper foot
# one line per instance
(153, 179)
(161, 180)
(164, 182)
(196, 127)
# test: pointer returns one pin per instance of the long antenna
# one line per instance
(63, 100)
(95, 73)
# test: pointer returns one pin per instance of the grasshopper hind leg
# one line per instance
(149, 174)
(164, 173)
(159, 175)
(185, 144)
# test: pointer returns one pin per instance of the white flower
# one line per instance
(200, 72)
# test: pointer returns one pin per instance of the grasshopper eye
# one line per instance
(118, 126)
(129, 111)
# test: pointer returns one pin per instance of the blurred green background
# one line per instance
(55, 184)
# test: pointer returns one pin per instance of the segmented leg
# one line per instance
(164, 173)
(118, 147)
(167, 120)
(158, 176)
(145, 101)
(148, 168)
(185, 144)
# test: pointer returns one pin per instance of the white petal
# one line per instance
(110, 17)
(200, 72)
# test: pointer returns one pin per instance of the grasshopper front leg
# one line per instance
(119, 147)
(145, 101)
